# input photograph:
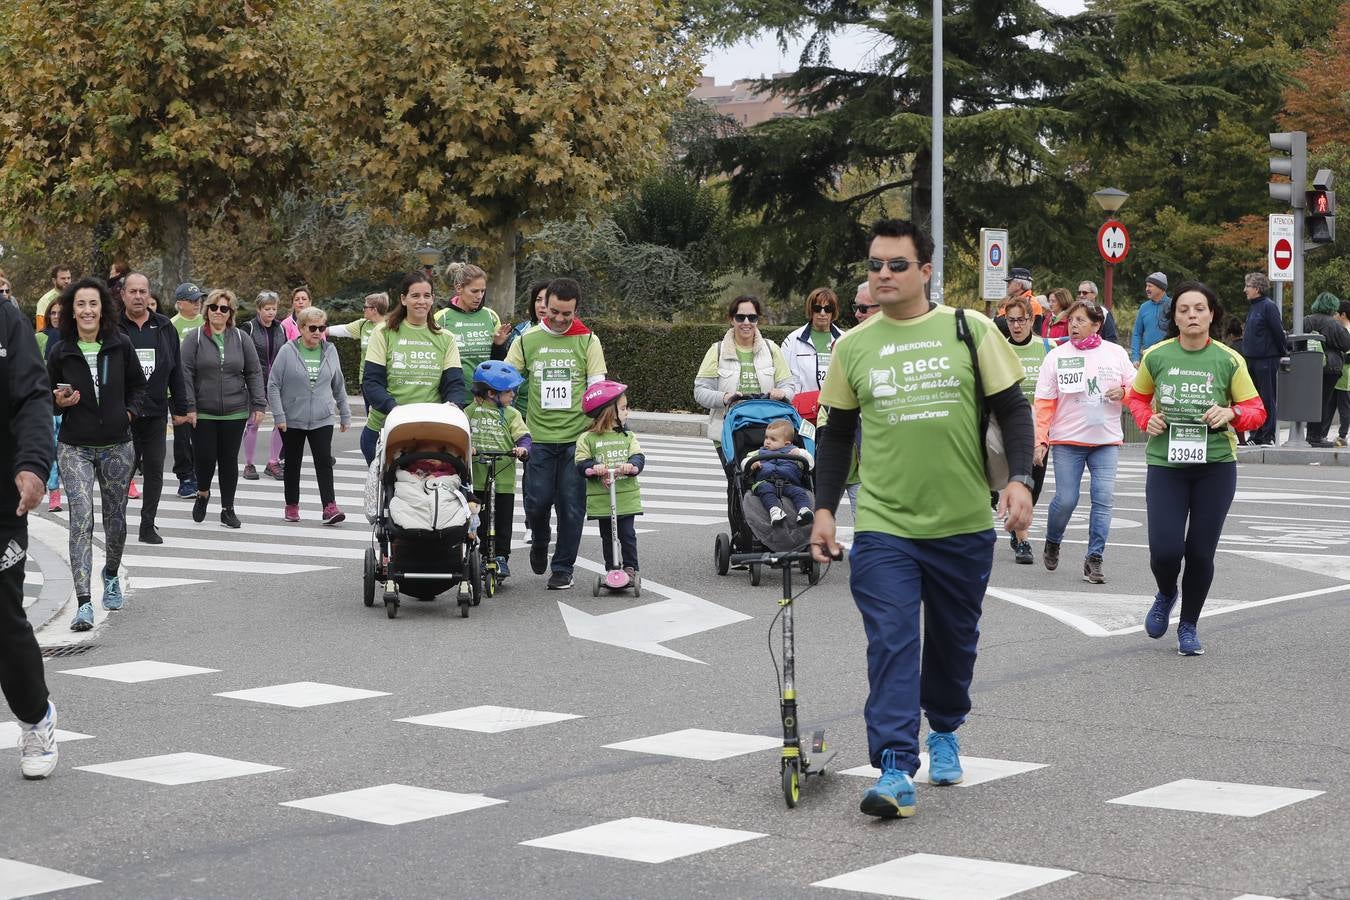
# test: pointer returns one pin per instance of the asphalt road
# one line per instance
(1066, 682)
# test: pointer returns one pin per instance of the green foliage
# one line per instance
(676, 211)
(144, 117)
(618, 277)
(491, 118)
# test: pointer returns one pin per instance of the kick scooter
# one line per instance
(616, 580)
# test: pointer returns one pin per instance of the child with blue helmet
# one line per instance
(498, 426)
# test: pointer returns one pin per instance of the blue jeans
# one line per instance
(892, 578)
(369, 441)
(553, 482)
(1069, 462)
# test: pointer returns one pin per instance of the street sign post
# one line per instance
(1113, 243)
(994, 264)
(1280, 236)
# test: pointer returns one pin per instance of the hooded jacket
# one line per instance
(104, 414)
(297, 404)
(222, 387)
(26, 401)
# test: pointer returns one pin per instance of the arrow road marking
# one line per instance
(644, 628)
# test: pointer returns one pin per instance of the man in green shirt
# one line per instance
(60, 275)
(559, 358)
(923, 538)
(188, 300)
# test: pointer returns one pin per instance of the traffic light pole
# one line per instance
(1299, 215)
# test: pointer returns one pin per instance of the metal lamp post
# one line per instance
(428, 256)
(1110, 200)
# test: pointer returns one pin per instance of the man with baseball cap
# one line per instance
(1150, 324)
(187, 297)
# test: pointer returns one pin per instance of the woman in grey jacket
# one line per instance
(305, 389)
(224, 385)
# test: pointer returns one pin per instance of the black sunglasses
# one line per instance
(316, 328)
(865, 307)
(899, 264)
(218, 307)
(822, 309)
(752, 318)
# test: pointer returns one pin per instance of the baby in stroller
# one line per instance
(781, 467)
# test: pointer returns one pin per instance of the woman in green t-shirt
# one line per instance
(410, 359)
(743, 362)
(1189, 395)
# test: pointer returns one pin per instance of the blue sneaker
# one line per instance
(84, 618)
(1188, 642)
(503, 570)
(893, 794)
(1155, 623)
(944, 758)
(112, 592)
(187, 488)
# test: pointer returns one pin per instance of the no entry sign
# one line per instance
(1280, 248)
(1113, 241)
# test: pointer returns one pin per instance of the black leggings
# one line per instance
(320, 450)
(504, 511)
(627, 541)
(215, 444)
(1204, 493)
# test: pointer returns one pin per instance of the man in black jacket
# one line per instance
(25, 461)
(1263, 345)
(156, 343)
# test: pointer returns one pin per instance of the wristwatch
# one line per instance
(1025, 480)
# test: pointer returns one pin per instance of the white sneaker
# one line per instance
(776, 515)
(37, 747)
(805, 516)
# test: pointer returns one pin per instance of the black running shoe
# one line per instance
(539, 555)
(150, 535)
(228, 518)
(199, 508)
(560, 581)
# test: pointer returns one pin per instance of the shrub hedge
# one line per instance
(657, 360)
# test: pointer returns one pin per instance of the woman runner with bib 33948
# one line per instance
(1190, 393)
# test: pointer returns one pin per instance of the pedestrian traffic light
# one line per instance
(1294, 167)
(1320, 221)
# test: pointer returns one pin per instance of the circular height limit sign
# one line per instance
(1113, 241)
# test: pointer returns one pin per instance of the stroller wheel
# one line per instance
(722, 553)
(368, 581)
(473, 572)
(756, 572)
(464, 610)
(813, 573)
(391, 604)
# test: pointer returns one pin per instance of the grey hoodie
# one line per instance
(297, 405)
(222, 384)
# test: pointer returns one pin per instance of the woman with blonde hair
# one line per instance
(223, 378)
(479, 332)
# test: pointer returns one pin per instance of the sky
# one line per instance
(761, 56)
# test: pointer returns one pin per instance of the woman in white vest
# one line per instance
(743, 362)
(807, 350)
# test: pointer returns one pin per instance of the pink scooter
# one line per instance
(616, 580)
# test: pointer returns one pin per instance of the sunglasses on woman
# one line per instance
(822, 309)
(218, 307)
(899, 264)
(752, 318)
(315, 329)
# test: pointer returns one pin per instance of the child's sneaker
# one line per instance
(132, 492)
(776, 515)
(54, 501)
(503, 570)
(805, 516)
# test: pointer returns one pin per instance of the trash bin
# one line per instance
(1298, 384)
